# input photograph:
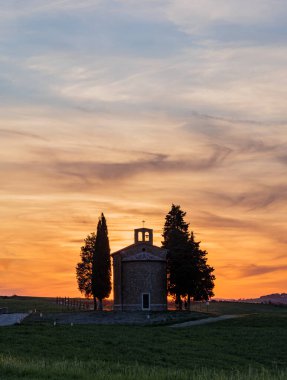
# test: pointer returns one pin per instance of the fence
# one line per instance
(74, 303)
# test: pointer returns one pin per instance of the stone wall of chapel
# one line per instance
(144, 277)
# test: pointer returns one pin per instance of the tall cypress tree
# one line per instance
(176, 240)
(101, 266)
(188, 273)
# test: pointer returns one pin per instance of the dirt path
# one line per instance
(11, 319)
(205, 321)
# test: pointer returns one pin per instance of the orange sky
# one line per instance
(108, 107)
(56, 186)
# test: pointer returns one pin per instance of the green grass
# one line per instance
(18, 304)
(11, 369)
(251, 347)
(237, 308)
(255, 340)
(48, 304)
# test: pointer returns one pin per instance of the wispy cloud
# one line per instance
(57, 168)
(259, 270)
(31, 7)
(12, 134)
(159, 164)
(254, 199)
(208, 18)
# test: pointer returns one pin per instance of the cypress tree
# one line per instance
(101, 265)
(176, 238)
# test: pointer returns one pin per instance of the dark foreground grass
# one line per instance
(251, 347)
(12, 368)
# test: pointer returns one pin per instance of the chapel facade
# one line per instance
(140, 275)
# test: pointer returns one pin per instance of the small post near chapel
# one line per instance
(140, 274)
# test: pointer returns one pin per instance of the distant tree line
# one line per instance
(188, 274)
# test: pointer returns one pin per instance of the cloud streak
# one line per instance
(253, 270)
(89, 171)
(159, 164)
(12, 134)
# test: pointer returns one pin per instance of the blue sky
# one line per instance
(123, 107)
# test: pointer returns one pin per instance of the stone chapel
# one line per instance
(140, 275)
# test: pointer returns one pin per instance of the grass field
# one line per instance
(237, 308)
(250, 347)
(16, 304)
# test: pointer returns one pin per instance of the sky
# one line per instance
(126, 107)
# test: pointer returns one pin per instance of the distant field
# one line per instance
(252, 347)
(48, 304)
(18, 304)
(237, 308)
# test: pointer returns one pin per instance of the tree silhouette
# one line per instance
(94, 270)
(188, 274)
(197, 275)
(101, 265)
(84, 267)
(176, 237)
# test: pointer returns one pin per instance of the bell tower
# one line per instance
(143, 235)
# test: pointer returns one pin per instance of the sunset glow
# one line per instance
(124, 108)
